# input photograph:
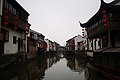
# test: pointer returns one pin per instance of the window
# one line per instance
(14, 39)
(5, 4)
(14, 11)
(31, 35)
(10, 8)
(6, 37)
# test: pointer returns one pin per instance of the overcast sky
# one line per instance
(58, 19)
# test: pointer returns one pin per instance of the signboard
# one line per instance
(1, 5)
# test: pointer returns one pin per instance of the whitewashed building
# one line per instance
(79, 42)
(49, 45)
(14, 28)
(90, 44)
(75, 43)
(55, 46)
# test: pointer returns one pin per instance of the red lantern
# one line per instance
(104, 12)
(15, 23)
(5, 17)
(105, 21)
(5, 23)
(36, 43)
(105, 25)
(15, 17)
(104, 16)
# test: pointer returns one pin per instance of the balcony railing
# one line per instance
(11, 19)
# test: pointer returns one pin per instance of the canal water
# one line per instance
(52, 67)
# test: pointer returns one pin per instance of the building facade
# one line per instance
(55, 46)
(14, 27)
(104, 31)
(35, 42)
(50, 46)
(70, 44)
(76, 43)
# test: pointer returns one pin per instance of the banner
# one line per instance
(1, 5)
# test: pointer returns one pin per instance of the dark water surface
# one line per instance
(52, 67)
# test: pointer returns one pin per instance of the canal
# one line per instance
(52, 67)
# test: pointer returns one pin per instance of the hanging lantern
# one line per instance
(83, 34)
(104, 12)
(82, 29)
(104, 16)
(15, 17)
(36, 43)
(5, 23)
(5, 17)
(104, 21)
(15, 23)
(105, 25)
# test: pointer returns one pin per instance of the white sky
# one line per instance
(58, 19)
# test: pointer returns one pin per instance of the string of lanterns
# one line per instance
(6, 18)
(104, 19)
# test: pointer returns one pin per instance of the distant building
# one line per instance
(55, 46)
(79, 44)
(70, 44)
(75, 43)
(52, 46)
(35, 42)
(49, 45)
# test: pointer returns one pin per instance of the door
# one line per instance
(1, 48)
(1, 44)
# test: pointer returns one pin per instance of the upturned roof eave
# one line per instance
(95, 17)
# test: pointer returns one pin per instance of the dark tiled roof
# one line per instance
(109, 7)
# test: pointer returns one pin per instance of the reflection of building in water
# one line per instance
(52, 60)
(92, 74)
(75, 64)
(78, 68)
(35, 70)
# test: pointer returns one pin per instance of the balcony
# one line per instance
(11, 19)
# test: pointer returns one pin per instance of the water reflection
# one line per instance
(54, 67)
(32, 70)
